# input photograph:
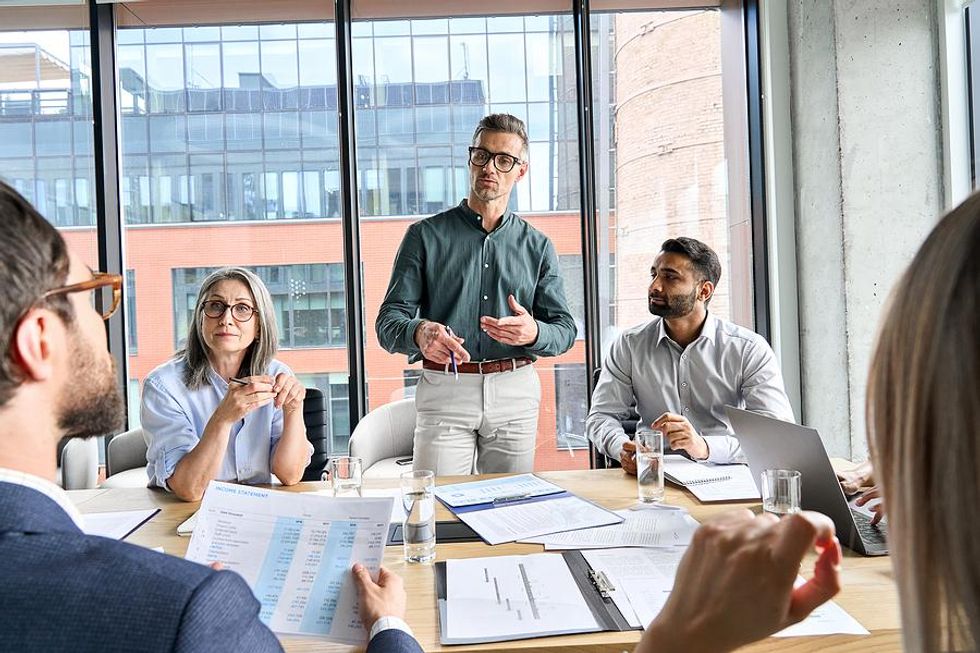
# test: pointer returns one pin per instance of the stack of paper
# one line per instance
(118, 524)
(710, 482)
(643, 528)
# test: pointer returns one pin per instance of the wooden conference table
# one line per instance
(868, 594)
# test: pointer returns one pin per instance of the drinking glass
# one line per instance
(345, 476)
(781, 491)
(419, 527)
(650, 466)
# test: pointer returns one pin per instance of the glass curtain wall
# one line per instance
(46, 131)
(229, 141)
(422, 85)
(662, 162)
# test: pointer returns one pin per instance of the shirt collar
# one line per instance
(45, 487)
(709, 330)
(476, 219)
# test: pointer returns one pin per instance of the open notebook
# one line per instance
(710, 482)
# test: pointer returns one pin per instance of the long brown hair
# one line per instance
(923, 416)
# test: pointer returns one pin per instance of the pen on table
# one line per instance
(509, 499)
(452, 355)
(238, 381)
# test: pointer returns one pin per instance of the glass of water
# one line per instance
(419, 527)
(781, 491)
(650, 466)
(345, 476)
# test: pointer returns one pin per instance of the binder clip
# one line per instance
(601, 583)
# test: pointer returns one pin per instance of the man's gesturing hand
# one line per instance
(435, 343)
(519, 329)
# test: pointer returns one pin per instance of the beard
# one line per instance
(674, 305)
(487, 194)
(92, 404)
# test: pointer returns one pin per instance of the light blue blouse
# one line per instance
(174, 418)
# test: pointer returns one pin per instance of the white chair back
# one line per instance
(388, 431)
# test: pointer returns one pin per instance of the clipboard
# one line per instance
(595, 588)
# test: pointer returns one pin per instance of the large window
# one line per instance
(229, 157)
(665, 156)
(422, 87)
(46, 148)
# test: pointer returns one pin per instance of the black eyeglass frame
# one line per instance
(492, 156)
(225, 307)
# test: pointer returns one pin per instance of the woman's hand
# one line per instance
(289, 391)
(243, 399)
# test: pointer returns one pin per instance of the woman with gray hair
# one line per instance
(223, 408)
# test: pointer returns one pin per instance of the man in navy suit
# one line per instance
(59, 588)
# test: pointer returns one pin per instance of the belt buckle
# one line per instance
(479, 366)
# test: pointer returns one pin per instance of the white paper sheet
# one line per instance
(186, 527)
(508, 596)
(828, 619)
(116, 524)
(397, 508)
(645, 528)
(739, 487)
(642, 578)
(295, 552)
(476, 492)
(522, 520)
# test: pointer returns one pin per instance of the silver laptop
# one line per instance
(774, 444)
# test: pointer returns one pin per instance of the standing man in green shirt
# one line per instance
(479, 285)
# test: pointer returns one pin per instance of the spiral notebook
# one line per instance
(709, 482)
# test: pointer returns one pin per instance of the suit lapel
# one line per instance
(24, 510)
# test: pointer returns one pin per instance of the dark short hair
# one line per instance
(33, 260)
(703, 258)
(505, 123)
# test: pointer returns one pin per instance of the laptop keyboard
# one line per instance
(872, 534)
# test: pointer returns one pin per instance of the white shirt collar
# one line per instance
(45, 487)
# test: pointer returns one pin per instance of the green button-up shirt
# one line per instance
(449, 270)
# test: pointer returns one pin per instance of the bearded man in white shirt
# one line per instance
(683, 367)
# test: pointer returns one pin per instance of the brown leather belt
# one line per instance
(480, 367)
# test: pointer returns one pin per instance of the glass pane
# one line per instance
(661, 153)
(240, 141)
(46, 126)
(431, 91)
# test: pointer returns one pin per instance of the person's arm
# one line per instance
(736, 583)
(556, 326)
(201, 464)
(611, 401)
(398, 317)
(291, 451)
(223, 615)
(852, 480)
(382, 608)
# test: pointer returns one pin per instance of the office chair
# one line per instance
(125, 460)
(384, 436)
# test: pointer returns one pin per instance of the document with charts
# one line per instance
(295, 551)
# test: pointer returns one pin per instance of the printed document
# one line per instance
(397, 508)
(643, 528)
(508, 488)
(509, 597)
(295, 551)
(117, 524)
(511, 522)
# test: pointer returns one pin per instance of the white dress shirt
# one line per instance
(45, 487)
(174, 418)
(725, 365)
(389, 623)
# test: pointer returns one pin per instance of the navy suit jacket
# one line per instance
(62, 590)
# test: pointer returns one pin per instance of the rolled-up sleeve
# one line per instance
(170, 432)
(611, 401)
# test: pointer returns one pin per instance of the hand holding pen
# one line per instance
(436, 343)
(452, 355)
(244, 396)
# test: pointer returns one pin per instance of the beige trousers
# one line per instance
(480, 423)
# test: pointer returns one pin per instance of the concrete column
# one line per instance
(868, 165)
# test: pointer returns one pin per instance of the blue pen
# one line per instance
(452, 356)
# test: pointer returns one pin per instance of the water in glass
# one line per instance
(419, 528)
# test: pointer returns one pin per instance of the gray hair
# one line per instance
(504, 123)
(260, 352)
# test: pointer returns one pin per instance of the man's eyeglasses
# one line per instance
(105, 299)
(501, 160)
(239, 312)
